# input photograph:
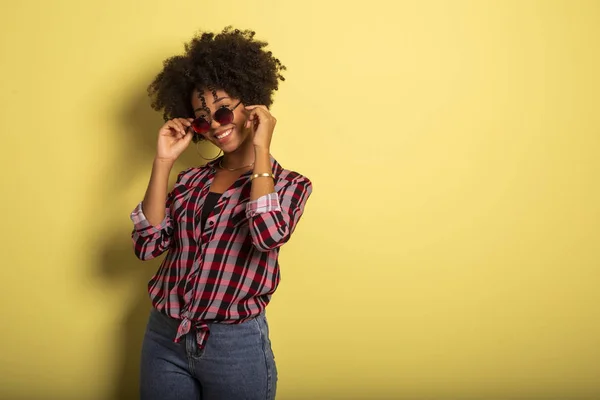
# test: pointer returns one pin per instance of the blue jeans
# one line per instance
(236, 363)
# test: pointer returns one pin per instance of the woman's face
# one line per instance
(228, 137)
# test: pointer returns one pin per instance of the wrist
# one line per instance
(163, 163)
(261, 150)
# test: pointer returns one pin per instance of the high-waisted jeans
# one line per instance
(236, 363)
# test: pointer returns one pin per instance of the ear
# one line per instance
(248, 122)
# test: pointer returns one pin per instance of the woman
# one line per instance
(222, 224)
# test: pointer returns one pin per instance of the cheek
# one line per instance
(240, 119)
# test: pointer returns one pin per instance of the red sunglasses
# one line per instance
(223, 116)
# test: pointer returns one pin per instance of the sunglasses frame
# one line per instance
(212, 117)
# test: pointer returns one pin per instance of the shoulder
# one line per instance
(190, 176)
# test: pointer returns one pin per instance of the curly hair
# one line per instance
(232, 61)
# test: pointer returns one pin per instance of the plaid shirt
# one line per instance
(227, 270)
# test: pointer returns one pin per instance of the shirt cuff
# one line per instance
(142, 225)
(264, 204)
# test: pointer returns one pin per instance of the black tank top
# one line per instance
(209, 204)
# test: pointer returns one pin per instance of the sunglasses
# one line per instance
(223, 116)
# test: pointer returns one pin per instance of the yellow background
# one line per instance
(450, 249)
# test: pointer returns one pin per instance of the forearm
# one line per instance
(156, 194)
(262, 163)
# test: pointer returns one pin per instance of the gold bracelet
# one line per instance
(265, 174)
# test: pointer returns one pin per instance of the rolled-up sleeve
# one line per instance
(151, 241)
(273, 217)
(141, 225)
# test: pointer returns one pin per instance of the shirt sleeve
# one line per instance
(151, 241)
(273, 217)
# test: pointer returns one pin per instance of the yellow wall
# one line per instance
(449, 251)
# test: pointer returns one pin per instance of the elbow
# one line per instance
(143, 252)
(143, 255)
(147, 247)
(270, 242)
(262, 247)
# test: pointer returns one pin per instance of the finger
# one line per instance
(183, 129)
(248, 119)
(172, 127)
(185, 122)
(252, 107)
(260, 109)
(188, 137)
(264, 112)
(172, 123)
(187, 131)
(179, 125)
(175, 132)
(251, 118)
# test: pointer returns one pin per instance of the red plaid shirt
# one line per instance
(227, 270)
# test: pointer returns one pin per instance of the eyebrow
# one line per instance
(215, 102)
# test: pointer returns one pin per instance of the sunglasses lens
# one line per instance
(200, 125)
(224, 116)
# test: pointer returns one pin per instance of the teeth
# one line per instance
(221, 136)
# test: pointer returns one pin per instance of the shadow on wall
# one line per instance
(118, 265)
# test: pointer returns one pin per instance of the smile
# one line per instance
(224, 134)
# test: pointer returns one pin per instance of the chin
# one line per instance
(235, 142)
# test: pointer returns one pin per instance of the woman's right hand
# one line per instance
(173, 138)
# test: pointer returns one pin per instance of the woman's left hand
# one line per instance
(262, 123)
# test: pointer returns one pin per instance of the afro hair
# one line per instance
(233, 61)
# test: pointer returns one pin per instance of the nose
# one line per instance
(214, 124)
